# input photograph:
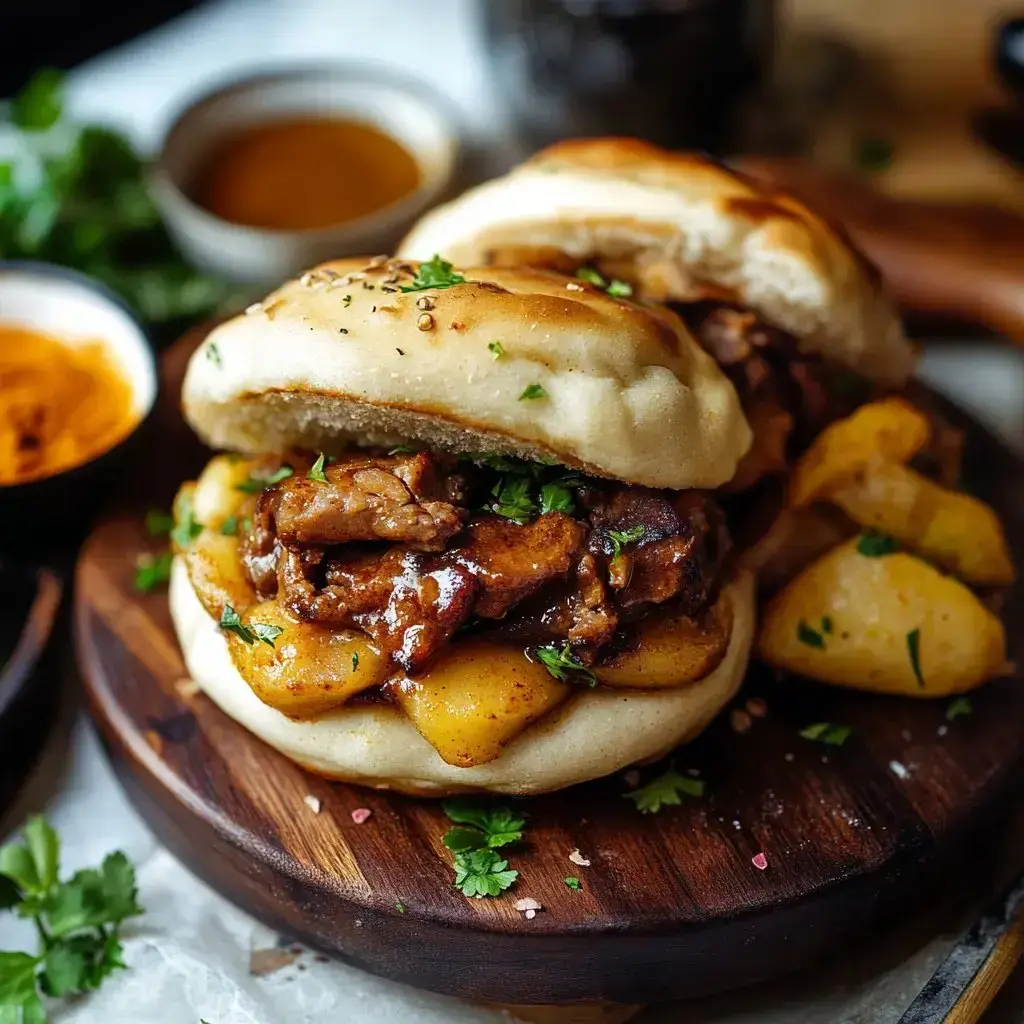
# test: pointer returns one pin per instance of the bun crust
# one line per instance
(625, 200)
(593, 734)
(523, 362)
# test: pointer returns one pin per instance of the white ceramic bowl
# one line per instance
(406, 109)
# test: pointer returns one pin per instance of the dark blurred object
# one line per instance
(1002, 128)
(67, 32)
(674, 72)
(955, 260)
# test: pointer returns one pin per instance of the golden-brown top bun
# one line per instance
(518, 361)
(694, 227)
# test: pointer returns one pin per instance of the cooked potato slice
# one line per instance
(891, 624)
(218, 577)
(477, 698)
(672, 651)
(309, 670)
(890, 430)
(952, 529)
(217, 497)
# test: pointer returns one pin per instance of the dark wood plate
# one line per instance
(30, 602)
(671, 905)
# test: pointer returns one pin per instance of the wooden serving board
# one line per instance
(671, 905)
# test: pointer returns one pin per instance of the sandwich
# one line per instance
(463, 533)
(877, 571)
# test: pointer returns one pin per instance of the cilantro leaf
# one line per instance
(17, 864)
(826, 732)
(620, 538)
(153, 571)
(231, 622)
(254, 484)
(480, 873)
(665, 790)
(513, 499)
(497, 349)
(556, 497)
(186, 529)
(19, 1003)
(531, 392)
(958, 707)
(811, 637)
(591, 276)
(459, 840)
(619, 289)
(873, 544)
(498, 824)
(317, 470)
(564, 665)
(158, 522)
(914, 650)
(434, 273)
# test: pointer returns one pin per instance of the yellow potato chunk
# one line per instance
(672, 651)
(952, 529)
(217, 497)
(218, 577)
(476, 699)
(890, 624)
(891, 430)
(309, 670)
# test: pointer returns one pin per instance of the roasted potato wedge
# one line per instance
(890, 430)
(672, 651)
(309, 670)
(890, 624)
(476, 699)
(218, 577)
(954, 530)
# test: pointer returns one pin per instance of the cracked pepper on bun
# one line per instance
(466, 538)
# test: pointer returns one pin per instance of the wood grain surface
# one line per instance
(671, 905)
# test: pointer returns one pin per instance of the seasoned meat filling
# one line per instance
(412, 548)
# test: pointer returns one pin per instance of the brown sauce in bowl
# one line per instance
(305, 174)
(60, 405)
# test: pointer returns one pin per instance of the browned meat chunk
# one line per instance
(364, 499)
(512, 562)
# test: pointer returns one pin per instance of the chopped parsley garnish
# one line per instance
(479, 831)
(619, 289)
(615, 288)
(400, 907)
(229, 528)
(78, 922)
(826, 732)
(257, 631)
(213, 353)
(806, 635)
(874, 545)
(317, 471)
(556, 497)
(826, 624)
(355, 662)
(958, 708)
(152, 571)
(914, 650)
(665, 790)
(254, 484)
(158, 522)
(531, 392)
(346, 301)
(513, 499)
(620, 538)
(591, 276)
(564, 665)
(574, 883)
(435, 273)
(497, 349)
(186, 529)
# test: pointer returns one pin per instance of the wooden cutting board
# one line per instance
(672, 905)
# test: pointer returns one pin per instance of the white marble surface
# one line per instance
(189, 955)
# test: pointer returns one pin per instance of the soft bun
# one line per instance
(700, 224)
(343, 355)
(592, 735)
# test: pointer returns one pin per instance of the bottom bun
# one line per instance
(594, 733)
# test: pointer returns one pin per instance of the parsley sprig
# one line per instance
(665, 790)
(316, 471)
(615, 288)
(78, 922)
(524, 489)
(263, 632)
(620, 538)
(480, 830)
(827, 733)
(564, 665)
(434, 273)
(254, 483)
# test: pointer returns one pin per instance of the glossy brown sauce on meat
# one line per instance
(412, 548)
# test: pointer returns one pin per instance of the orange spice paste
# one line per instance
(60, 405)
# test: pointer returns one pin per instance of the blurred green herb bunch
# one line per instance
(77, 195)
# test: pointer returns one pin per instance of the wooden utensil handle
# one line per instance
(957, 260)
